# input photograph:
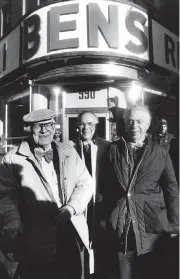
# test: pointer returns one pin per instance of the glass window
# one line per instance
(16, 11)
(31, 5)
(5, 19)
(17, 106)
(48, 2)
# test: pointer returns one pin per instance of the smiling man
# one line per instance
(139, 201)
(92, 149)
(43, 183)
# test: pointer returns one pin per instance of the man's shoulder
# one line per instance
(102, 141)
(66, 147)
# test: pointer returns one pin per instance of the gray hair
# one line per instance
(143, 108)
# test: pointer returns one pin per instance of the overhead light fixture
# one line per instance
(135, 92)
(56, 90)
(154, 92)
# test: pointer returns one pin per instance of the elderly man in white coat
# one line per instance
(43, 184)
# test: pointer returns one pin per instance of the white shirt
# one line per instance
(93, 164)
(50, 174)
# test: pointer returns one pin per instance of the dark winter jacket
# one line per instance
(151, 194)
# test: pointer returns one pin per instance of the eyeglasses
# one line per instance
(88, 124)
(47, 126)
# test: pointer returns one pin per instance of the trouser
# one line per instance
(130, 266)
(66, 263)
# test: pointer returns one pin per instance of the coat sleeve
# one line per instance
(82, 192)
(170, 189)
(9, 190)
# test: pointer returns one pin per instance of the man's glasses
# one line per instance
(47, 126)
(88, 124)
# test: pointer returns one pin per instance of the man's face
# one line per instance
(137, 124)
(57, 133)
(87, 126)
(163, 128)
(43, 132)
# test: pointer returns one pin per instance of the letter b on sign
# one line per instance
(31, 37)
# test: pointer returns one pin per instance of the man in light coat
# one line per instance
(43, 184)
(139, 203)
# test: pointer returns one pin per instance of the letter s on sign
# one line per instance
(131, 17)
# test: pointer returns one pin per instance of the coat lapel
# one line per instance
(24, 150)
(62, 167)
(121, 164)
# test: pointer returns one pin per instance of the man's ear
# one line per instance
(148, 125)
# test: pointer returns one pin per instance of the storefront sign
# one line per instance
(87, 99)
(86, 26)
(10, 52)
(165, 48)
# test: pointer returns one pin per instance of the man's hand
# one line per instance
(11, 229)
(173, 235)
(64, 215)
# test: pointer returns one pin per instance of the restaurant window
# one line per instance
(31, 5)
(48, 2)
(5, 19)
(16, 12)
(16, 107)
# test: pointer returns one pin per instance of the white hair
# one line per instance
(132, 108)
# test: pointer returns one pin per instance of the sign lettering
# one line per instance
(108, 28)
(31, 36)
(81, 26)
(87, 95)
(132, 17)
(56, 27)
(165, 48)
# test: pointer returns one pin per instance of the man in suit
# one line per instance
(92, 149)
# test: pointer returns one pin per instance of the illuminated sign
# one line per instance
(165, 48)
(107, 28)
(86, 26)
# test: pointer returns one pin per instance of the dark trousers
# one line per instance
(66, 263)
(130, 266)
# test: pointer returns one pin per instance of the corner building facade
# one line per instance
(80, 55)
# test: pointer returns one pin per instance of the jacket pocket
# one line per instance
(155, 217)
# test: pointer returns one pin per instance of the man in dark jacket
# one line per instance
(139, 205)
(92, 149)
(44, 186)
(167, 140)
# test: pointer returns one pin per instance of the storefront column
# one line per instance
(39, 98)
(56, 103)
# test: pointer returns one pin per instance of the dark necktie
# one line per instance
(90, 208)
(39, 153)
(87, 156)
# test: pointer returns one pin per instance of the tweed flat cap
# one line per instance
(39, 115)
